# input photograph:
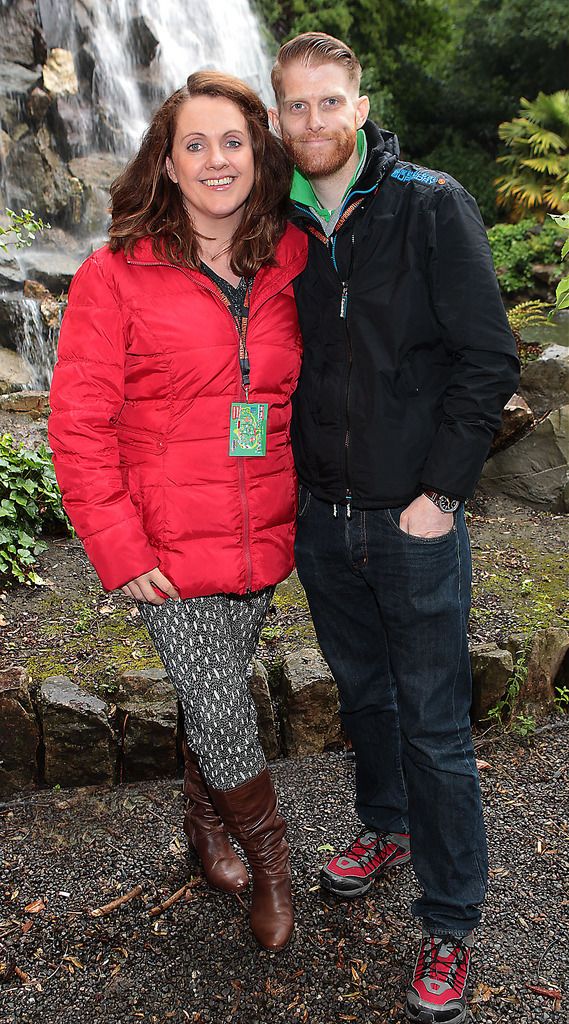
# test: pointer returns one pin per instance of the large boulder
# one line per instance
(259, 686)
(80, 746)
(492, 670)
(310, 704)
(547, 654)
(534, 471)
(517, 420)
(545, 381)
(19, 733)
(147, 720)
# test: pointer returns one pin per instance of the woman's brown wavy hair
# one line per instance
(146, 203)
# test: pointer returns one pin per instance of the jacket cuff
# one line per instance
(120, 553)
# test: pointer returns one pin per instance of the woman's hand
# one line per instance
(142, 588)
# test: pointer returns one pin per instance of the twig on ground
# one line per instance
(174, 898)
(109, 907)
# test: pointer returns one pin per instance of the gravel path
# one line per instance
(78, 849)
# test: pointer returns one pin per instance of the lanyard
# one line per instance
(241, 323)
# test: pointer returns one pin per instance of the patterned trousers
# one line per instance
(206, 645)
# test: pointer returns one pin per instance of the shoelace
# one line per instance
(357, 849)
(446, 972)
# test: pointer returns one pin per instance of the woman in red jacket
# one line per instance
(178, 355)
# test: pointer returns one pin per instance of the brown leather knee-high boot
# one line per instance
(206, 833)
(250, 814)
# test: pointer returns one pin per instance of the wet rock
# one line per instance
(144, 43)
(40, 181)
(10, 271)
(147, 718)
(86, 64)
(15, 373)
(12, 320)
(545, 381)
(310, 704)
(491, 671)
(547, 653)
(71, 123)
(98, 170)
(19, 732)
(33, 403)
(59, 73)
(517, 420)
(19, 32)
(5, 144)
(15, 84)
(50, 307)
(38, 105)
(15, 80)
(80, 746)
(534, 471)
(259, 686)
(54, 270)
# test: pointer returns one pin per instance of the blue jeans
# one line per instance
(390, 612)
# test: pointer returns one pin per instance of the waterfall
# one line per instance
(178, 38)
(38, 344)
(59, 150)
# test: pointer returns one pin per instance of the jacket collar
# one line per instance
(290, 260)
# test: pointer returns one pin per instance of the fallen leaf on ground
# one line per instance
(482, 765)
(35, 907)
(550, 993)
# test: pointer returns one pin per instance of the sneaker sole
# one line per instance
(426, 1016)
(327, 883)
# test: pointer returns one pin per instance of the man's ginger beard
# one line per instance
(316, 164)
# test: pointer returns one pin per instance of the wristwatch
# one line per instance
(442, 501)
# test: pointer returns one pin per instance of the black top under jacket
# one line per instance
(408, 355)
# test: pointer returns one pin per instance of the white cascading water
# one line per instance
(192, 34)
(38, 344)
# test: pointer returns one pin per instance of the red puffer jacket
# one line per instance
(148, 365)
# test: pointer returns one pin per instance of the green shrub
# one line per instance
(30, 504)
(22, 229)
(516, 247)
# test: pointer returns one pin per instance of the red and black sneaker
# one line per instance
(437, 993)
(351, 872)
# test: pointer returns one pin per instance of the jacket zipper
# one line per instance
(240, 466)
(331, 245)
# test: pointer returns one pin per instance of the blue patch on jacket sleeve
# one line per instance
(408, 174)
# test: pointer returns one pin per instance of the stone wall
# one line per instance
(60, 734)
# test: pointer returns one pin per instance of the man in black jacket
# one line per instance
(408, 361)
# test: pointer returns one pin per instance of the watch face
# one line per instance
(447, 504)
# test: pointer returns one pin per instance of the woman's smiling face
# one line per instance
(212, 160)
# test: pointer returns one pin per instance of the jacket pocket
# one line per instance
(304, 497)
(136, 439)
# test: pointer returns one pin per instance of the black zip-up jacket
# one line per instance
(408, 355)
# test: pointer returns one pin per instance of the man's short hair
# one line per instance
(315, 48)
